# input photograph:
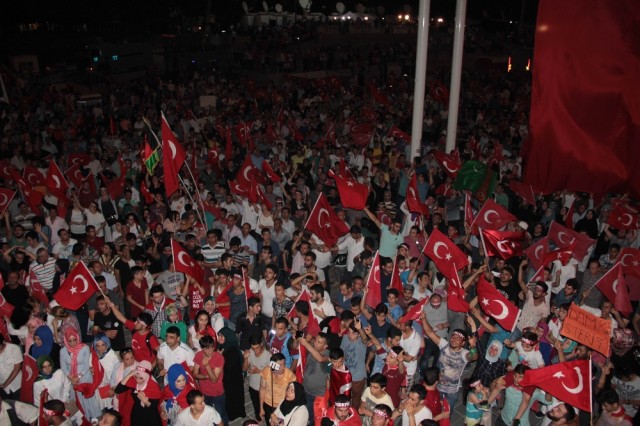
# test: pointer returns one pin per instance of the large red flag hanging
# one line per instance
(325, 223)
(564, 237)
(374, 291)
(491, 216)
(614, 288)
(184, 263)
(146, 194)
(444, 252)
(173, 157)
(414, 205)
(496, 305)
(77, 288)
(32, 197)
(629, 258)
(585, 121)
(504, 244)
(74, 173)
(353, 195)
(6, 196)
(313, 327)
(536, 252)
(29, 376)
(622, 218)
(568, 381)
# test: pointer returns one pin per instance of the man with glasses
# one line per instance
(44, 268)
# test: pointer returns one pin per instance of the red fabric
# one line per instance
(456, 295)
(77, 288)
(181, 398)
(89, 389)
(468, 211)
(246, 173)
(141, 351)
(74, 173)
(223, 297)
(55, 182)
(4, 331)
(449, 162)
(525, 387)
(116, 186)
(373, 286)
(6, 308)
(184, 263)
(353, 195)
(37, 290)
(524, 191)
(377, 95)
(495, 304)
(629, 258)
(266, 167)
(6, 195)
(33, 176)
(396, 282)
(7, 170)
(443, 257)
(302, 363)
(536, 252)
(362, 138)
(439, 93)
(505, 244)
(395, 132)
(585, 108)
(325, 223)
(138, 296)
(568, 381)
(414, 312)
(491, 216)
(312, 328)
(564, 237)
(207, 386)
(623, 218)
(414, 205)
(31, 196)
(614, 287)
(29, 376)
(173, 157)
(239, 188)
(353, 419)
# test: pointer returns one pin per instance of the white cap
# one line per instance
(524, 225)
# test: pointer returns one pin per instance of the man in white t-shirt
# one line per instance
(173, 351)
(10, 368)
(413, 407)
(322, 307)
(198, 413)
(411, 343)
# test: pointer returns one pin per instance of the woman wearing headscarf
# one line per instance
(123, 402)
(217, 320)
(63, 321)
(233, 381)
(146, 394)
(173, 319)
(589, 224)
(293, 410)
(43, 344)
(108, 360)
(175, 392)
(544, 346)
(490, 366)
(25, 332)
(83, 371)
(52, 379)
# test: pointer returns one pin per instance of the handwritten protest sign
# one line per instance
(588, 329)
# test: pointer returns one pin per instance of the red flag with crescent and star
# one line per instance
(184, 263)
(491, 216)
(374, 291)
(325, 223)
(414, 205)
(29, 376)
(271, 174)
(623, 218)
(173, 157)
(37, 290)
(537, 251)
(56, 182)
(77, 288)
(33, 176)
(353, 195)
(6, 196)
(569, 381)
(565, 238)
(456, 296)
(496, 305)
(450, 162)
(613, 286)
(414, 312)
(504, 244)
(629, 258)
(442, 251)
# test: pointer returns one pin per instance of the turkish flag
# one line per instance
(37, 290)
(213, 157)
(146, 194)
(377, 95)
(504, 244)
(414, 312)
(325, 223)
(74, 174)
(569, 219)
(468, 211)
(340, 384)
(263, 199)
(33, 176)
(361, 139)
(449, 162)
(524, 191)
(56, 183)
(629, 258)
(7, 170)
(184, 263)
(564, 237)
(353, 195)
(247, 287)
(32, 197)
(240, 188)
(4, 331)
(584, 119)
(491, 216)
(536, 252)
(92, 183)
(215, 211)
(443, 252)
(396, 282)
(344, 172)
(455, 292)
(271, 174)
(6, 196)
(613, 286)
(246, 173)
(29, 376)
(116, 186)
(6, 308)
(564, 255)
(78, 158)
(2, 282)
(77, 288)
(414, 205)
(173, 157)
(569, 381)
(538, 276)
(439, 93)
(395, 132)
(313, 328)
(373, 286)
(302, 363)
(496, 305)
(622, 218)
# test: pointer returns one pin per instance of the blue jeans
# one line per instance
(218, 402)
(310, 400)
(452, 399)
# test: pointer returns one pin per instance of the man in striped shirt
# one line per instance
(44, 267)
(213, 249)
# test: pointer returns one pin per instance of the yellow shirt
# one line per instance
(280, 383)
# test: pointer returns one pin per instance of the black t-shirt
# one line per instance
(16, 296)
(110, 322)
(247, 329)
(511, 292)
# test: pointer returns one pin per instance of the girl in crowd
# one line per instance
(122, 402)
(293, 410)
(145, 393)
(43, 344)
(109, 361)
(175, 392)
(51, 379)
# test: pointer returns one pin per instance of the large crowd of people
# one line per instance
(278, 310)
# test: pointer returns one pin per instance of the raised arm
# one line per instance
(373, 217)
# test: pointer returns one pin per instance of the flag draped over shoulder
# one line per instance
(585, 101)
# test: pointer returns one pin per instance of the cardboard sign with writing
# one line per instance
(588, 329)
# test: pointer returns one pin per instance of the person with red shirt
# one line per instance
(208, 370)
(145, 345)
(137, 292)
(341, 414)
(434, 401)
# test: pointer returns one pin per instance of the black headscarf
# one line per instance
(300, 399)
